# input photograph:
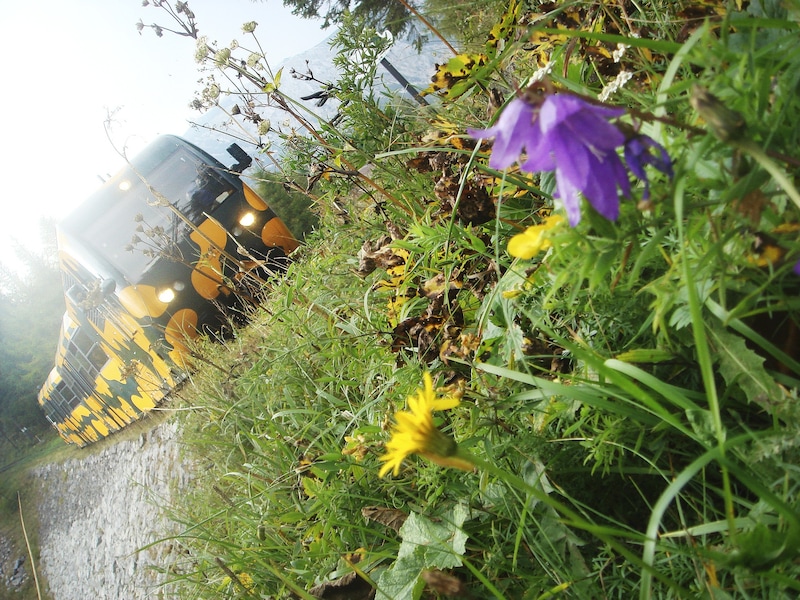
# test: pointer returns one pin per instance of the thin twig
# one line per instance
(428, 24)
(30, 552)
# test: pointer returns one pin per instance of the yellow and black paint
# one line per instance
(123, 340)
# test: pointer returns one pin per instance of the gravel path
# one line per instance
(98, 512)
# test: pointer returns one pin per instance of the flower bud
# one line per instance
(725, 123)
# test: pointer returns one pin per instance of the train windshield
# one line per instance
(149, 208)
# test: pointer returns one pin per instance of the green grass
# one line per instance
(620, 396)
(628, 397)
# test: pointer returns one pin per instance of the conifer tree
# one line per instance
(379, 14)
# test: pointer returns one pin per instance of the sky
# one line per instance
(68, 64)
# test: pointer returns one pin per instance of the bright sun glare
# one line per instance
(76, 69)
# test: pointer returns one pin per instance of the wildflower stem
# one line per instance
(704, 356)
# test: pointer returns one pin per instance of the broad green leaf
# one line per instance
(439, 544)
(402, 580)
(426, 544)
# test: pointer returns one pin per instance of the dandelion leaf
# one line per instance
(426, 545)
(702, 422)
(740, 366)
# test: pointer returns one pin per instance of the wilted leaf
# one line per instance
(456, 71)
(501, 32)
(379, 254)
(347, 587)
(445, 584)
(751, 205)
(391, 517)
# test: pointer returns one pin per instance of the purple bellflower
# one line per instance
(574, 138)
(637, 155)
(569, 136)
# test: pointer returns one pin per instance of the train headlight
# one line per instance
(247, 219)
(166, 295)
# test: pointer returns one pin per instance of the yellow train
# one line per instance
(156, 256)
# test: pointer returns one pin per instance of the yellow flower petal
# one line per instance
(533, 240)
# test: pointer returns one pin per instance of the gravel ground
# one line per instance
(99, 514)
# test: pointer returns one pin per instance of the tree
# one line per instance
(31, 309)
(378, 14)
(294, 208)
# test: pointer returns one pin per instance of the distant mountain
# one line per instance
(416, 67)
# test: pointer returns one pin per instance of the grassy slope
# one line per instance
(586, 392)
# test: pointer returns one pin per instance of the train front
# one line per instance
(161, 252)
(183, 238)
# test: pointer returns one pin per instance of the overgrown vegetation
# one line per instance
(622, 394)
(31, 309)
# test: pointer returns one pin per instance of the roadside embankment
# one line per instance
(100, 518)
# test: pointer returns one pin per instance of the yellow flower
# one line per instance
(244, 579)
(355, 446)
(533, 240)
(415, 433)
(247, 581)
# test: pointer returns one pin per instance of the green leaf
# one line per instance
(438, 544)
(702, 422)
(426, 544)
(762, 548)
(273, 86)
(646, 355)
(741, 366)
(401, 581)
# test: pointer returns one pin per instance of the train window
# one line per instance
(207, 191)
(142, 221)
(64, 399)
(88, 357)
